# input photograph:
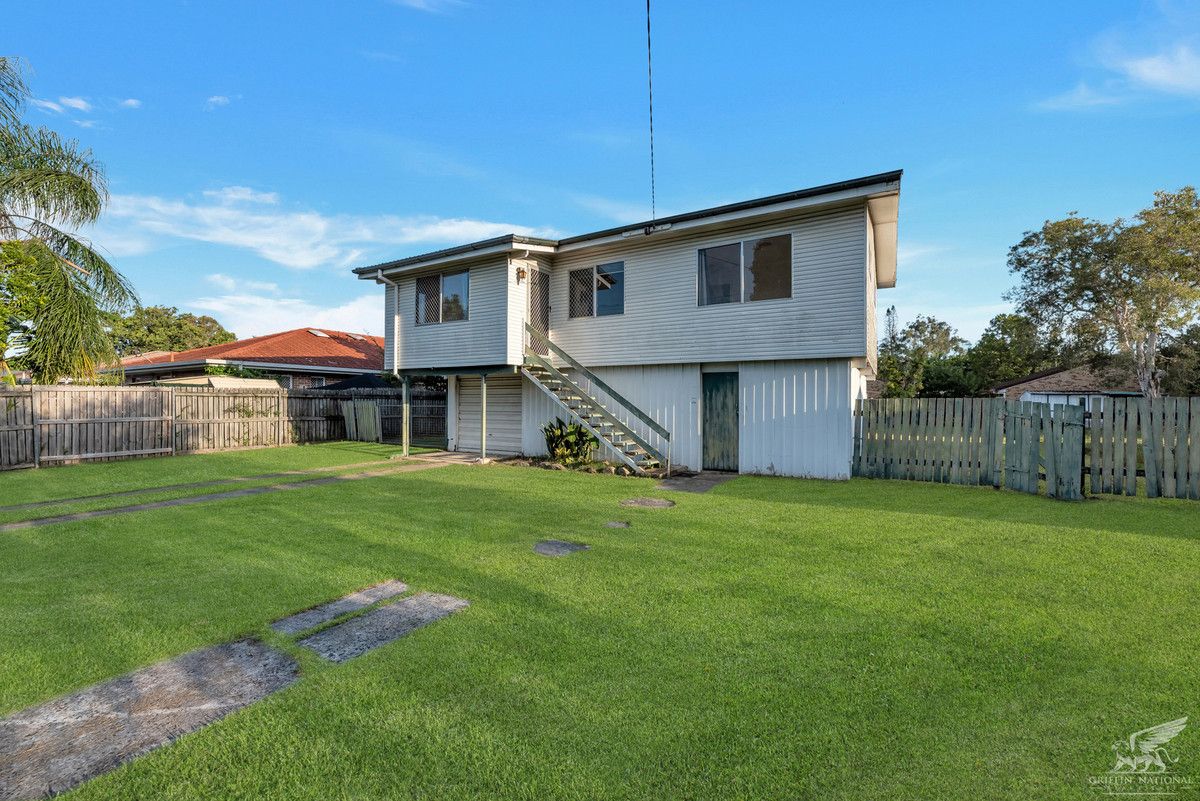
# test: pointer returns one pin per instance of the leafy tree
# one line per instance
(164, 328)
(49, 188)
(1011, 347)
(235, 371)
(1124, 287)
(926, 357)
(1181, 364)
(901, 376)
(929, 338)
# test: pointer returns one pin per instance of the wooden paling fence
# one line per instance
(1157, 440)
(46, 425)
(976, 441)
(363, 422)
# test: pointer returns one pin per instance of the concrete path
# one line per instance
(354, 602)
(699, 482)
(191, 500)
(50, 748)
(219, 482)
(384, 625)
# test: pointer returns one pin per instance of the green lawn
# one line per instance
(771, 639)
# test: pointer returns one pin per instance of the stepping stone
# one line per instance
(559, 548)
(381, 626)
(699, 482)
(648, 503)
(52, 747)
(311, 618)
(617, 524)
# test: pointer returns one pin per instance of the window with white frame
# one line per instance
(596, 291)
(443, 298)
(740, 272)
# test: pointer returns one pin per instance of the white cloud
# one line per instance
(619, 211)
(215, 101)
(77, 103)
(230, 284)
(47, 105)
(130, 102)
(85, 123)
(250, 315)
(241, 194)
(1175, 70)
(297, 238)
(433, 6)
(1081, 97)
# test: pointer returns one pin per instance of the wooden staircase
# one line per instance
(595, 405)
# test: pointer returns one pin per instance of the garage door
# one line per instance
(504, 415)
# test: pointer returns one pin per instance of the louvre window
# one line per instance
(597, 291)
(443, 298)
(757, 269)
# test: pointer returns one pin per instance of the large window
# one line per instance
(596, 291)
(757, 269)
(443, 298)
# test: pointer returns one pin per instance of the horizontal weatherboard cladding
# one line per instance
(480, 339)
(663, 323)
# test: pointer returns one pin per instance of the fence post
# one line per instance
(37, 435)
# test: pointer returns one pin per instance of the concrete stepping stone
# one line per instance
(52, 747)
(381, 626)
(617, 524)
(311, 618)
(559, 547)
(698, 482)
(648, 503)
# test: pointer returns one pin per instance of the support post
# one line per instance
(483, 417)
(37, 433)
(405, 415)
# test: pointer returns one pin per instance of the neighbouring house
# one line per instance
(1083, 385)
(299, 359)
(734, 338)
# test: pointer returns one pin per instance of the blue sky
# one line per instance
(258, 150)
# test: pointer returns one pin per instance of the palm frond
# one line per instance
(47, 176)
(74, 254)
(13, 91)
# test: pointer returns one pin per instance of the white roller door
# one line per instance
(504, 415)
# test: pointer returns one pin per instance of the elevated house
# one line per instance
(302, 358)
(734, 338)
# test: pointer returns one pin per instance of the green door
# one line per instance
(720, 411)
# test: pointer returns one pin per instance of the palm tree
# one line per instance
(50, 187)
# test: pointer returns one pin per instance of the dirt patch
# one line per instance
(559, 547)
(384, 625)
(50, 748)
(617, 524)
(311, 618)
(696, 482)
(648, 503)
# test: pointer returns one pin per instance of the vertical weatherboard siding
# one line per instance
(663, 324)
(796, 418)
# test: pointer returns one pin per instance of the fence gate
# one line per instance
(363, 421)
(975, 441)
(17, 440)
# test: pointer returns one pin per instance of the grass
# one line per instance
(771, 639)
(98, 478)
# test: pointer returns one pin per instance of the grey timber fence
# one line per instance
(48, 425)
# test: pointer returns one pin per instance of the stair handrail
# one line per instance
(605, 413)
(650, 422)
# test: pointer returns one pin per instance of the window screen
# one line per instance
(455, 287)
(610, 289)
(767, 271)
(429, 292)
(580, 293)
(720, 275)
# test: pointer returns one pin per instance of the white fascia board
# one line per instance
(816, 201)
(456, 258)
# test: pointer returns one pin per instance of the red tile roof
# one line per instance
(300, 347)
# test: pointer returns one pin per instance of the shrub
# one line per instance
(569, 444)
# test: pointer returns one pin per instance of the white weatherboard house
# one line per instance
(734, 338)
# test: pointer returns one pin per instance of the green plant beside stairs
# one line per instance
(569, 444)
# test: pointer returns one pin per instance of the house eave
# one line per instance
(253, 365)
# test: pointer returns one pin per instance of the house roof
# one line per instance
(300, 348)
(1081, 380)
(882, 190)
